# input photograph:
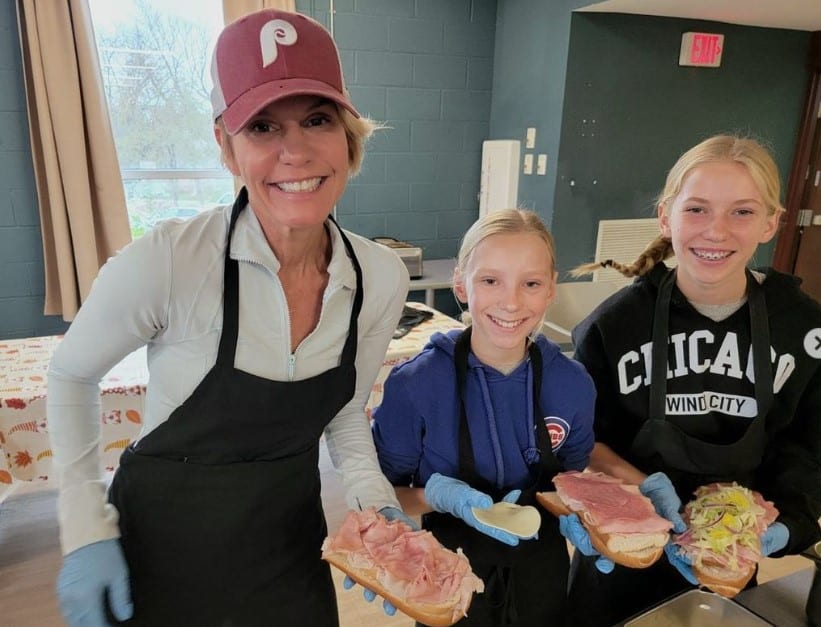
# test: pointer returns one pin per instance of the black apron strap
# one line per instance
(230, 297)
(678, 450)
(547, 465)
(349, 350)
(467, 462)
(230, 331)
(760, 337)
(661, 324)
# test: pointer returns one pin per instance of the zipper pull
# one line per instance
(291, 362)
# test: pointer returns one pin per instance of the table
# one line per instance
(437, 274)
(781, 601)
(25, 449)
(406, 347)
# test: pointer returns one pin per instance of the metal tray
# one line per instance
(697, 608)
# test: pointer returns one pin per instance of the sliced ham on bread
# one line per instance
(411, 569)
(622, 523)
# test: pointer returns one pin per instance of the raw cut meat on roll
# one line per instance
(411, 569)
(621, 521)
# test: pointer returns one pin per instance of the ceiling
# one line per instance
(792, 14)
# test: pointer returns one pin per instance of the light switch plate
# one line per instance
(528, 164)
(530, 137)
(541, 165)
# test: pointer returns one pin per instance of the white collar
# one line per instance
(249, 244)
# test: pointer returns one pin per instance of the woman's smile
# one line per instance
(304, 185)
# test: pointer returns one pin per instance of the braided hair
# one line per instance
(658, 250)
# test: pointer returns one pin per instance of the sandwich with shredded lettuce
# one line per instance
(723, 537)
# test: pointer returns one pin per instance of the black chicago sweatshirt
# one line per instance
(710, 388)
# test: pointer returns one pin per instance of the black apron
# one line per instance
(674, 448)
(220, 510)
(526, 584)
(600, 600)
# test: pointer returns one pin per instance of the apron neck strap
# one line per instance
(759, 337)
(661, 327)
(230, 292)
(230, 304)
(349, 351)
(467, 461)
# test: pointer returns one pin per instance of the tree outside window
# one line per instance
(155, 61)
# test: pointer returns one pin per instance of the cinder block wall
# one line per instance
(21, 248)
(425, 69)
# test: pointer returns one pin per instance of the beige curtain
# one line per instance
(82, 204)
(233, 9)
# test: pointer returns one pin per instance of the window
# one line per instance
(155, 59)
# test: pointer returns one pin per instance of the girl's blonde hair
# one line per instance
(357, 131)
(502, 222)
(744, 150)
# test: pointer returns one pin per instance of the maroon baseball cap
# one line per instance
(268, 55)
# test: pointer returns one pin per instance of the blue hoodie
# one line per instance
(416, 428)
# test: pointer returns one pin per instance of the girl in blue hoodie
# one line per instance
(492, 413)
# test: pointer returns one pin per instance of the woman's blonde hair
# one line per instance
(357, 131)
(502, 222)
(744, 150)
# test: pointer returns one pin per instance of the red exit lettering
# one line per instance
(706, 48)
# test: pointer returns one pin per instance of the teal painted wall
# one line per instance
(630, 110)
(532, 38)
(425, 69)
(447, 74)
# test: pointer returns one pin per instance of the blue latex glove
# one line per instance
(571, 528)
(394, 513)
(87, 574)
(659, 489)
(683, 564)
(774, 538)
(512, 496)
(451, 496)
(369, 595)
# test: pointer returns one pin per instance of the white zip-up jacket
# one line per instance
(164, 290)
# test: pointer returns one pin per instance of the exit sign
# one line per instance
(701, 49)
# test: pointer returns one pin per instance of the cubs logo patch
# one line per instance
(558, 429)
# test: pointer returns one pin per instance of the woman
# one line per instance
(266, 325)
(706, 372)
(489, 414)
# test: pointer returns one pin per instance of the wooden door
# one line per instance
(798, 248)
(808, 255)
